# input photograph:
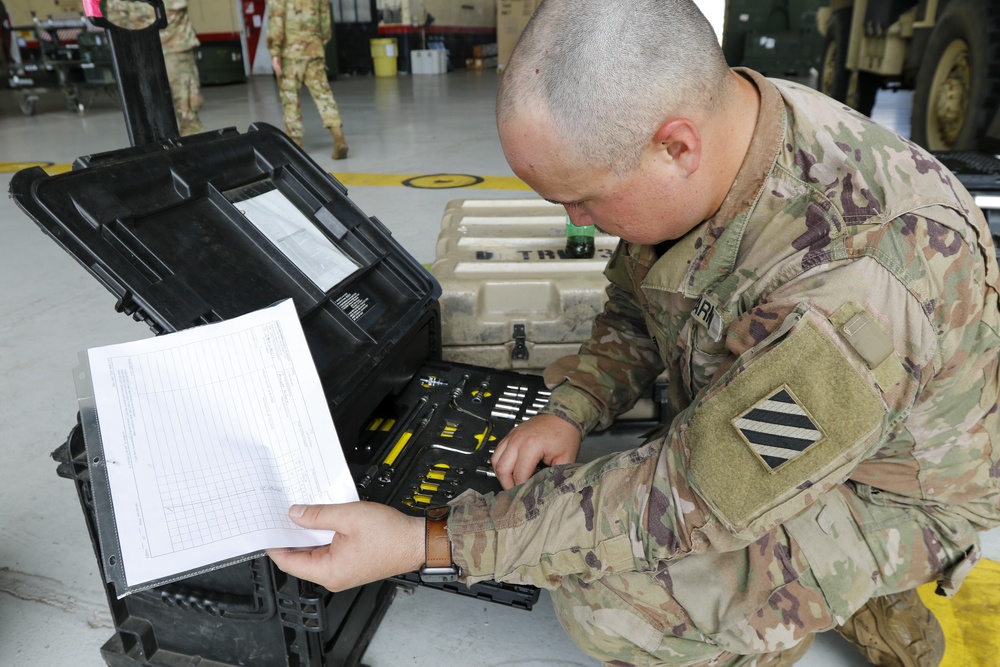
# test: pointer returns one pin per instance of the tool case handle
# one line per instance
(257, 606)
(141, 72)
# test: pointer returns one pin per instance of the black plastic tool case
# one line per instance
(160, 225)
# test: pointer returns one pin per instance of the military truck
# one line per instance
(946, 51)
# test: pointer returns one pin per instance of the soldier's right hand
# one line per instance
(276, 64)
(542, 439)
(372, 542)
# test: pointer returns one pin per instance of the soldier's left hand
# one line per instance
(542, 439)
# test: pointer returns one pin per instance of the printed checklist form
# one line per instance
(204, 438)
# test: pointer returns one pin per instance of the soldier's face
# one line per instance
(647, 205)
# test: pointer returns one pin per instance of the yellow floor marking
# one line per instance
(971, 619)
(433, 181)
(49, 167)
(351, 179)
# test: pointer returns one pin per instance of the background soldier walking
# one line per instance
(297, 31)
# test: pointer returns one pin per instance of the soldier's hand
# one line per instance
(276, 64)
(542, 439)
(373, 542)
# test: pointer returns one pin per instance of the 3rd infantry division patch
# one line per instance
(778, 429)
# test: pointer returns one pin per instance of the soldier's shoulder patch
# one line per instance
(778, 429)
(787, 424)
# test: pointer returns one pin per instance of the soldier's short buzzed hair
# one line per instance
(611, 71)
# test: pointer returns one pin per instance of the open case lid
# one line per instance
(186, 231)
(218, 225)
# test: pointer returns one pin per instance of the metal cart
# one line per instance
(69, 55)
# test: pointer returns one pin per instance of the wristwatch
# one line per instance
(438, 565)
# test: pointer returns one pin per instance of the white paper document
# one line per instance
(209, 435)
(280, 221)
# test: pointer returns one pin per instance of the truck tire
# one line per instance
(834, 78)
(958, 84)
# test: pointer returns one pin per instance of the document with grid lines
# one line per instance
(205, 438)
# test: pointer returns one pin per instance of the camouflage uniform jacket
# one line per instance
(178, 36)
(836, 320)
(298, 28)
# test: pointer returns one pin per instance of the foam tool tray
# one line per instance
(435, 440)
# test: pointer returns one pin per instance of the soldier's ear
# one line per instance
(679, 144)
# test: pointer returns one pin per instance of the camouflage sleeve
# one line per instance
(613, 367)
(116, 11)
(179, 35)
(130, 15)
(325, 24)
(836, 358)
(577, 519)
(275, 26)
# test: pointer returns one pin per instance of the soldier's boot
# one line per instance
(339, 143)
(896, 631)
(789, 656)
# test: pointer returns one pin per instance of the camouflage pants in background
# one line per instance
(312, 73)
(185, 88)
(738, 609)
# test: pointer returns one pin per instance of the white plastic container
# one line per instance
(510, 296)
(428, 61)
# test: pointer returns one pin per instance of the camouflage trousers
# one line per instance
(312, 72)
(740, 608)
(185, 88)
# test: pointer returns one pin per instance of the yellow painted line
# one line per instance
(433, 181)
(50, 168)
(971, 619)
(351, 179)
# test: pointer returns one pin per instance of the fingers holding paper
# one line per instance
(372, 542)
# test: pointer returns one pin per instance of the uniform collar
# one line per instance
(708, 253)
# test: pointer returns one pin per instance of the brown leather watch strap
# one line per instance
(437, 551)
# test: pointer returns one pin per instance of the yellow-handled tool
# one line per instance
(389, 462)
(390, 458)
(383, 471)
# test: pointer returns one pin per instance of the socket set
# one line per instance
(435, 439)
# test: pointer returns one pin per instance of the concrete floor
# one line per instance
(52, 606)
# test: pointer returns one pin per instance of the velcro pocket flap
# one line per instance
(787, 426)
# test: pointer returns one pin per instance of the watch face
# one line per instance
(440, 575)
(437, 513)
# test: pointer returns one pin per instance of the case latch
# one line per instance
(520, 351)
